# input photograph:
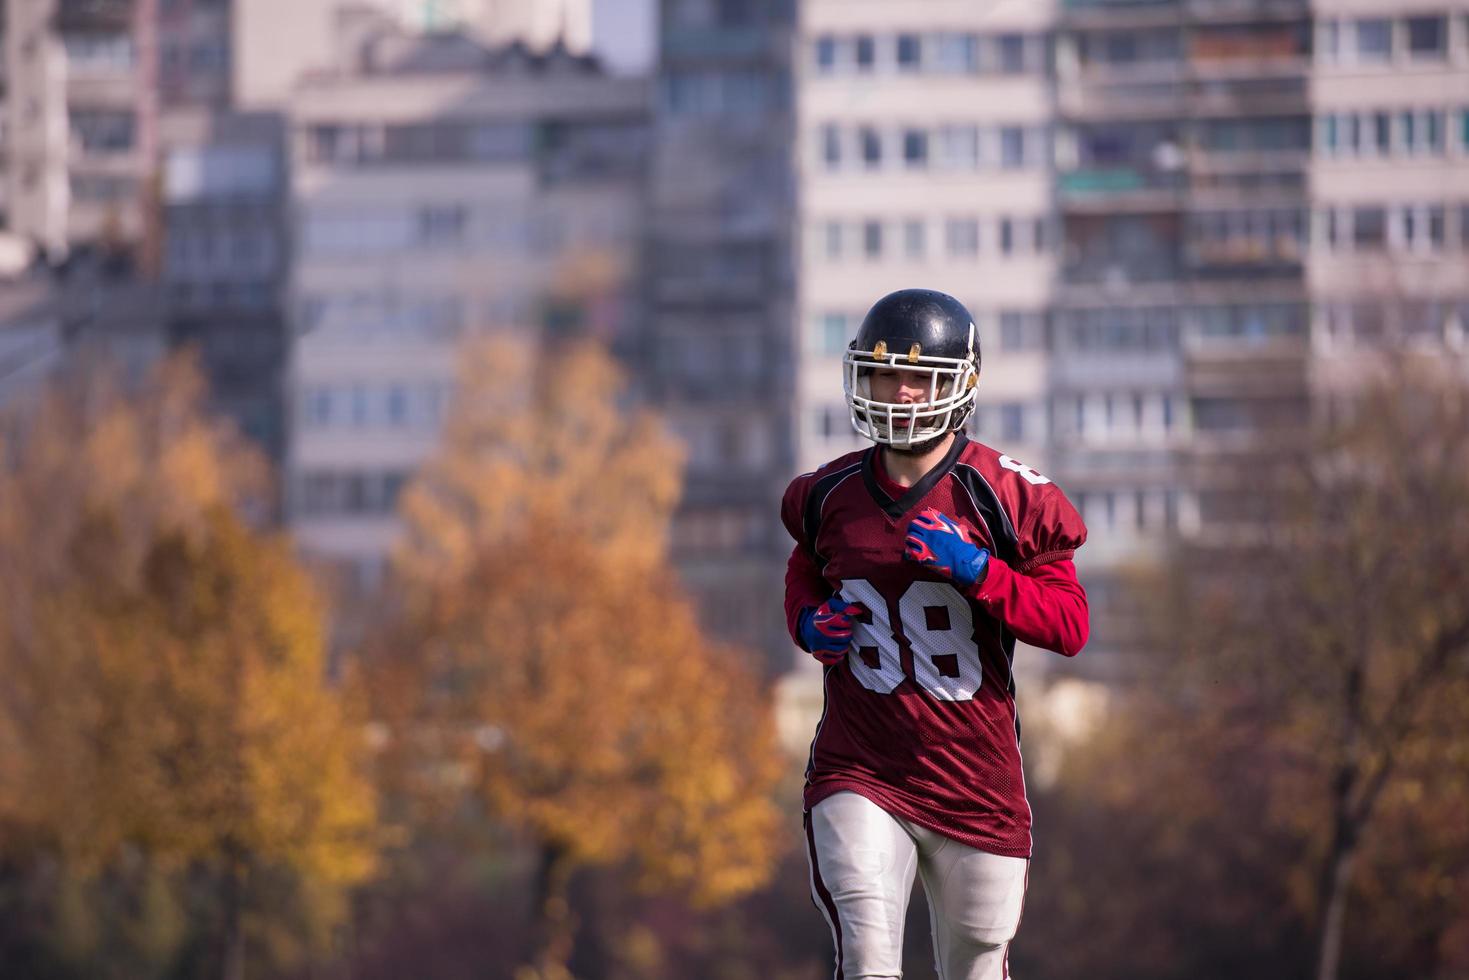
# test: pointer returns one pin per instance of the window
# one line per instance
(962, 237)
(960, 146)
(1042, 235)
(832, 333)
(498, 141)
(866, 52)
(1007, 237)
(397, 405)
(915, 244)
(103, 130)
(1329, 135)
(1332, 228)
(1422, 227)
(1374, 39)
(1382, 133)
(1011, 53)
(958, 53)
(872, 239)
(1012, 147)
(1020, 330)
(832, 240)
(831, 146)
(1012, 421)
(1427, 37)
(1436, 227)
(98, 53)
(915, 148)
(825, 424)
(910, 52)
(319, 407)
(1329, 40)
(871, 148)
(826, 54)
(1433, 141)
(359, 405)
(1369, 228)
(441, 225)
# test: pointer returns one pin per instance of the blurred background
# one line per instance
(398, 394)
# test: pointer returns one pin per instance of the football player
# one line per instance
(918, 563)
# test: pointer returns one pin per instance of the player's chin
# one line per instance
(920, 447)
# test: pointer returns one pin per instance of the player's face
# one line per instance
(900, 387)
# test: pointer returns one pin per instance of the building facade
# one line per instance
(1390, 184)
(440, 188)
(80, 118)
(923, 153)
(714, 352)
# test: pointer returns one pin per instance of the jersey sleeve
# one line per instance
(1038, 596)
(1050, 531)
(805, 588)
(1045, 607)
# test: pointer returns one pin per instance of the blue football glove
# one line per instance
(936, 541)
(826, 631)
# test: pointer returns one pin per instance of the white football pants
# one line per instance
(862, 864)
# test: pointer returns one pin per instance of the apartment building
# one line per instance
(1180, 325)
(273, 42)
(225, 258)
(716, 354)
(1389, 183)
(194, 53)
(80, 123)
(923, 145)
(439, 188)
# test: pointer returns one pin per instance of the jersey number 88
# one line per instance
(938, 624)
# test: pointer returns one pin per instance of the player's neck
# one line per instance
(906, 469)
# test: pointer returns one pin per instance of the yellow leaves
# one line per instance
(540, 607)
(539, 438)
(165, 677)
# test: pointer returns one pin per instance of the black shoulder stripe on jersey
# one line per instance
(987, 502)
(897, 508)
(815, 500)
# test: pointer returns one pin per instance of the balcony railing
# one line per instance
(85, 15)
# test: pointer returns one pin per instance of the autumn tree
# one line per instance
(168, 739)
(561, 673)
(1294, 763)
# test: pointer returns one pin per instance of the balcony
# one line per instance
(1132, 14)
(1111, 189)
(721, 44)
(1248, 96)
(1245, 11)
(1247, 259)
(94, 15)
(1094, 97)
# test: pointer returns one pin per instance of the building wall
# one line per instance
(715, 352)
(428, 207)
(923, 148)
(80, 114)
(1390, 182)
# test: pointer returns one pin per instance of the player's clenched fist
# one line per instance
(937, 541)
(827, 630)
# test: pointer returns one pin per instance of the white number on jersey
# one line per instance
(1029, 475)
(938, 624)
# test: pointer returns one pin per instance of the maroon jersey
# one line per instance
(920, 717)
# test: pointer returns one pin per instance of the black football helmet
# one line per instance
(926, 332)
